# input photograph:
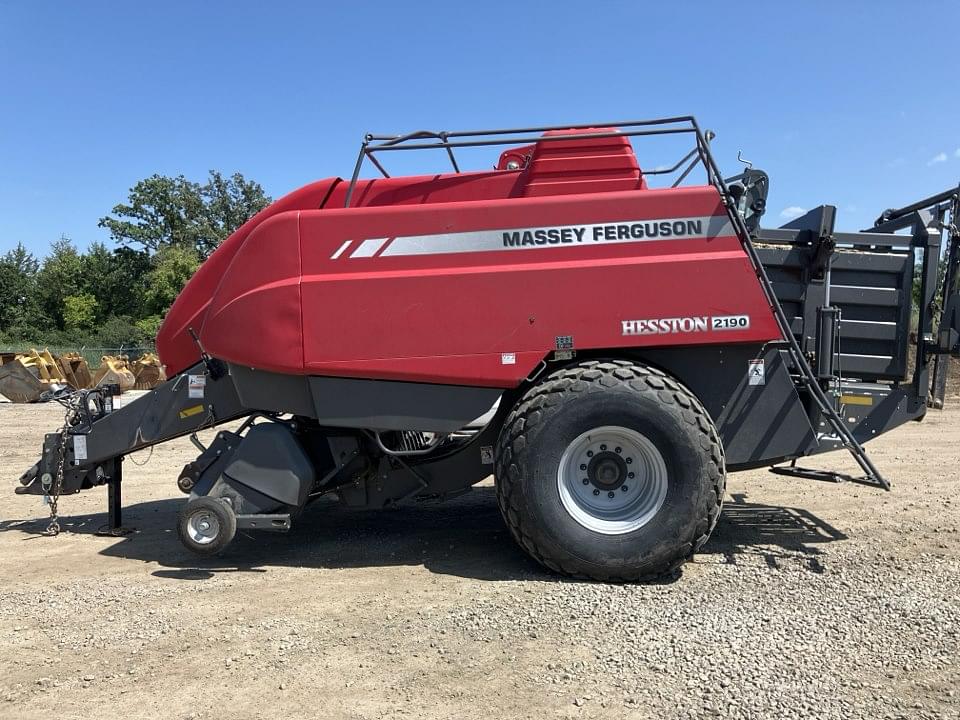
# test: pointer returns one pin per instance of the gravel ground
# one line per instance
(811, 600)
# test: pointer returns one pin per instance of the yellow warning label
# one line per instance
(191, 411)
(856, 400)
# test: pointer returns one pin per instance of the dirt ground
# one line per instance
(432, 611)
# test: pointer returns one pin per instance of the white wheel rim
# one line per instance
(612, 480)
(203, 527)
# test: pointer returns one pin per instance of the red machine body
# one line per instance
(473, 278)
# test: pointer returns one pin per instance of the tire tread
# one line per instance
(591, 376)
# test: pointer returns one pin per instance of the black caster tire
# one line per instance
(207, 525)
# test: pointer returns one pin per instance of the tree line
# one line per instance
(112, 296)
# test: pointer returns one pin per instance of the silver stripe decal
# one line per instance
(530, 238)
(340, 249)
(368, 248)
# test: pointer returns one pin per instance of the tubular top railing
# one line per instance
(450, 140)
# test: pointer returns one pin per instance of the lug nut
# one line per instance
(624, 488)
(629, 460)
(583, 466)
(631, 475)
(611, 494)
(603, 447)
(586, 481)
(589, 453)
(618, 450)
(596, 492)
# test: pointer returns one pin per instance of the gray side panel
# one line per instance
(799, 296)
(873, 292)
(391, 405)
(766, 422)
(758, 424)
(361, 403)
(276, 392)
(889, 408)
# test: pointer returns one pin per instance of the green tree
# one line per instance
(120, 330)
(18, 281)
(80, 312)
(164, 211)
(148, 327)
(117, 279)
(165, 230)
(60, 275)
(173, 266)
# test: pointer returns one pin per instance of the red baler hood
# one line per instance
(463, 278)
(175, 346)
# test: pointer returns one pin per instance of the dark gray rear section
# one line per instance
(871, 287)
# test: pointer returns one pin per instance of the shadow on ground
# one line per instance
(773, 532)
(463, 537)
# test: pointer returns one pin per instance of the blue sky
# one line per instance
(849, 103)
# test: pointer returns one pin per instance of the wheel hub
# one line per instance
(612, 480)
(607, 471)
(203, 528)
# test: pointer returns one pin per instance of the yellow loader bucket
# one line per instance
(19, 383)
(114, 370)
(75, 370)
(148, 372)
(43, 364)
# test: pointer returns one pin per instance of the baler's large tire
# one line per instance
(610, 470)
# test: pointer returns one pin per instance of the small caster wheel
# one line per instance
(207, 525)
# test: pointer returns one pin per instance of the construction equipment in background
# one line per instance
(75, 370)
(47, 368)
(34, 375)
(147, 372)
(18, 383)
(114, 370)
(27, 377)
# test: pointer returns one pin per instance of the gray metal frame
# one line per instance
(929, 219)
(870, 290)
(874, 251)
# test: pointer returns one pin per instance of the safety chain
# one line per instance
(56, 486)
